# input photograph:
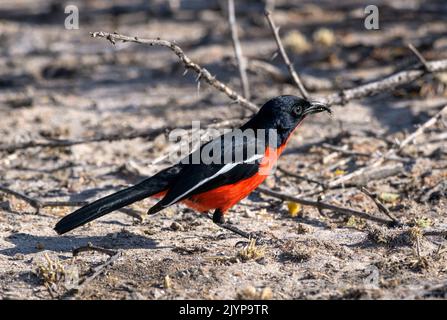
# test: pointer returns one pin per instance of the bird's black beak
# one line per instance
(316, 107)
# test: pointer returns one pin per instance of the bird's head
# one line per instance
(284, 114)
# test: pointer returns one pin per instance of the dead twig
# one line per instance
(145, 134)
(91, 247)
(310, 82)
(152, 133)
(296, 78)
(38, 204)
(241, 60)
(377, 162)
(297, 176)
(340, 98)
(419, 56)
(383, 84)
(367, 176)
(322, 205)
(345, 151)
(381, 206)
(421, 129)
(95, 271)
(352, 153)
(188, 63)
(371, 174)
(269, 5)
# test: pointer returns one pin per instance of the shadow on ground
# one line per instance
(28, 243)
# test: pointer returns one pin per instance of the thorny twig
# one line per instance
(341, 97)
(292, 71)
(189, 64)
(241, 60)
(338, 98)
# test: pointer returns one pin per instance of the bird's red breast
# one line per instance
(225, 197)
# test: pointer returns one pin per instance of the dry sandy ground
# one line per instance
(57, 83)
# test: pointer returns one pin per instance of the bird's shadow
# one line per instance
(27, 243)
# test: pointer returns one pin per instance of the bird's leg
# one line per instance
(218, 218)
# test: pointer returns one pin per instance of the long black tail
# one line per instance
(120, 199)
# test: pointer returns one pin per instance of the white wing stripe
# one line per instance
(224, 169)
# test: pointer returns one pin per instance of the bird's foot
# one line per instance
(219, 220)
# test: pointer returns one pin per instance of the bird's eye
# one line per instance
(297, 110)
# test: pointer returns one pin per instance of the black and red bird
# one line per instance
(205, 185)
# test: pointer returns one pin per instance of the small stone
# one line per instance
(177, 226)
(19, 256)
(266, 294)
(248, 213)
(247, 293)
(167, 283)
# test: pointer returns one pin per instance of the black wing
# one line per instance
(237, 159)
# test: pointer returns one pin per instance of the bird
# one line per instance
(218, 174)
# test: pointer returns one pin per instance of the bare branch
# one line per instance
(321, 205)
(91, 247)
(380, 205)
(152, 133)
(377, 162)
(338, 98)
(345, 151)
(241, 60)
(372, 174)
(269, 5)
(387, 83)
(297, 176)
(419, 56)
(361, 154)
(147, 134)
(95, 271)
(341, 97)
(296, 78)
(310, 82)
(421, 129)
(100, 269)
(38, 204)
(189, 64)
